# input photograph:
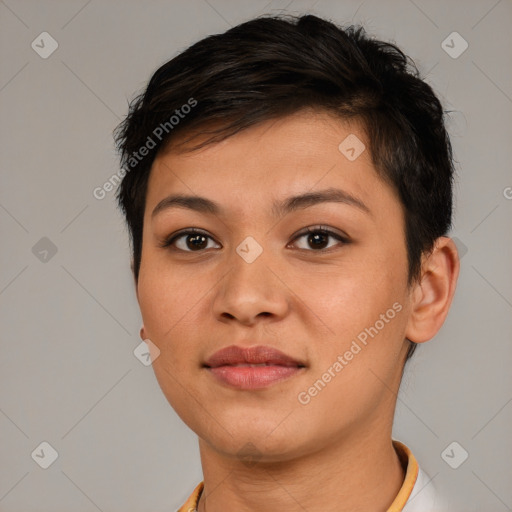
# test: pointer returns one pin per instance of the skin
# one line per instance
(335, 452)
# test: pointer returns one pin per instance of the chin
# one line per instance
(264, 440)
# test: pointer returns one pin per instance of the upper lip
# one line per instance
(233, 355)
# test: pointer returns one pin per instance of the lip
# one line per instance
(233, 366)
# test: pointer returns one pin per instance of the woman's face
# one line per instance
(337, 303)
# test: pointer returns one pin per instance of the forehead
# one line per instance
(278, 158)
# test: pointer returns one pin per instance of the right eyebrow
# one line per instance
(196, 203)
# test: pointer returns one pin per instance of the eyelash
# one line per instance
(168, 242)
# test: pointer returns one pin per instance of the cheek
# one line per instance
(365, 310)
(354, 293)
(164, 298)
(175, 305)
(357, 363)
(168, 304)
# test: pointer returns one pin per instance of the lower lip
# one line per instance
(253, 377)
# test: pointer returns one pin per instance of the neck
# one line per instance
(353, 475)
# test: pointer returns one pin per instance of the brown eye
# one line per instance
(318, 239)
(194, 242)
(188, 241)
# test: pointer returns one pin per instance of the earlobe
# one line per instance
(433, 294)
(142, 334)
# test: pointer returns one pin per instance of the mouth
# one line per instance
(252, 368)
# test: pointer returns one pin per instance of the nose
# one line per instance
(250, 291)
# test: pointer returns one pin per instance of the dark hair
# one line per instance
(272, 66)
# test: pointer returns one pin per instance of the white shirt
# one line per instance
(424, 496)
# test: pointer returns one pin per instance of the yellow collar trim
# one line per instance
(410, 464)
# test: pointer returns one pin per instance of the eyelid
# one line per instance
(324, 229)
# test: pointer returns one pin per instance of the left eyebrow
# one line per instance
(330, 195)
(293, 203)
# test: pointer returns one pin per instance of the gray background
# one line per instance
(70, 321)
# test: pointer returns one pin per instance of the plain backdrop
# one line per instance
(69, 318)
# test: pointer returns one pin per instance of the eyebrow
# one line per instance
(290, 204)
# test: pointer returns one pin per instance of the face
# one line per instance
(322, 279)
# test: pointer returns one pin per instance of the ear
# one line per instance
(433, 294)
